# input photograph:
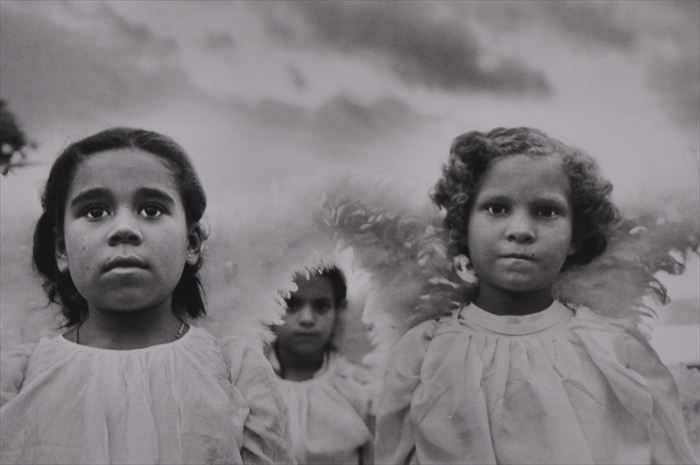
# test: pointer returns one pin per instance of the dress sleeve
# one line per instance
(667, 430)
(265, 436)
(352, 381)
(13, 366)
(394, 440)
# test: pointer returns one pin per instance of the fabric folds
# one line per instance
(328, 413)
(559, 386)
(192, 401)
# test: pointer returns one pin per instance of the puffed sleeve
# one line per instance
(13, 365)
(394, 440)
(667, 430)
(265, 437)
(352, 381)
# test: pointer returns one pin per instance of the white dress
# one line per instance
(328, 413)
(559, 386)
(192, 401)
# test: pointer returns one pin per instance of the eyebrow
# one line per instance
(497, 197)
(88, 195)
(101, 193)
(152, 193)
(486, 198)
(552, 198)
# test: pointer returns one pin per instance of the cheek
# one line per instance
(283, 331)
(479, 230)
(561, 242)
(330, 323)
(288, 319)
(567, 234)
(479, 242)
(79, 257)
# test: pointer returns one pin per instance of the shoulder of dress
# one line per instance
(246, 356)
(19, 352)
(409, 352)
(585, 317)
(344, 368)
(240, 344)
(622, 338)
(13, 367)
(424, 331)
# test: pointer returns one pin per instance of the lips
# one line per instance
(124, 262)
(520, 256)
(305, 335)
(310, 337)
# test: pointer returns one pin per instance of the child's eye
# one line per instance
(547, 212)
(322, 307)
(293, 305)
(95, 212)
(496, 209)
(151, 211)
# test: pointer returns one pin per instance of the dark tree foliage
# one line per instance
(13, 141)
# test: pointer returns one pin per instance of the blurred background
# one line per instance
(274, 100)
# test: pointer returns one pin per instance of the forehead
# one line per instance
(315, 287)
(525, 175)
(123, 170)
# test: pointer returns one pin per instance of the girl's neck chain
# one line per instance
(180, 331)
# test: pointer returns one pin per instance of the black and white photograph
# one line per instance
(357, 232)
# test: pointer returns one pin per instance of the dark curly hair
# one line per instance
(188, 295)
(472, 154)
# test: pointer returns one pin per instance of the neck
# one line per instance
(110, 329)
(299, 367)
(501, 302)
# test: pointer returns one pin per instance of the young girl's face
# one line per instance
(520, 225)
(310, 318)
(125, 240)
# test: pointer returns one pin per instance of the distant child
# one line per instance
(516, 376)
(119, 245)
(327, 402)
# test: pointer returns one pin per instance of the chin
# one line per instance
(308, 351)
(130, 303)
(524, 287)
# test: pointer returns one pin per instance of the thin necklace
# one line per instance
(180, 331)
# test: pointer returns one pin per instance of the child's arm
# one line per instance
(265, 436)
(668, 435)
(367, 450)
(395, 436)
(13, 365)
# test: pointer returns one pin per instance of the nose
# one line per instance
(307, 319)
(126, 230)
(520, 228)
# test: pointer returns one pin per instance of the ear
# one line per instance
(60, 255)
(194, 246)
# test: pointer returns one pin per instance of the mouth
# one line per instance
(520, 256)
(306, 336)
(124, 262)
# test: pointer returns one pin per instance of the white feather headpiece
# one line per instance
(282, 238)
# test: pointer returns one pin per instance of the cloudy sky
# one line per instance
(267, 95)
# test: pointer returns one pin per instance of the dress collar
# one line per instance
(516, 325)
(277, 367)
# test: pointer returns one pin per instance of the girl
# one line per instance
(119, 245)
(516, 376)
(325, 394)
